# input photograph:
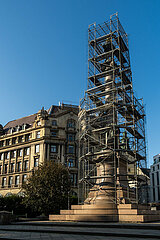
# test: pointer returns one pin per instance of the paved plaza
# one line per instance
(78, 231)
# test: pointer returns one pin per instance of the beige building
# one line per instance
(26, 142)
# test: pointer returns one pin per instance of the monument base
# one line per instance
(108, 213)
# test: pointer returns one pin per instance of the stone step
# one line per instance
(133, 206)
(90, 211)
(84, 218)
(105, 218)
(138, 218)
(137, 212)
(94, 206)
(151, 218)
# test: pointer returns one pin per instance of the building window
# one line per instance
(26, 151)
(12, 167)
(20, 152)
(24, 178)
(19, 166)
(1, 156)
(13, 154)
(36, 162)
(4, 181)
(71, 162)
(53, 148)
(71, 137)
(71, 149)
(14, 140)
(53, 133)
(71, 123)
(20, 139)
(38, 123)
(5, 168)
(26, 163)
(7, 155)
(73, 177)
(1, 143)
(54, 123)
(27, 137)
(0, 169)
(153, 168)
(38, 134)
(10, 181)
(17, 180)
(7, 142)
(37, 148)
(23, 127)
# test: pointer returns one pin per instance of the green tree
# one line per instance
(14, 203)
(46, 191)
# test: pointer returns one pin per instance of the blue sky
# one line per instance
(43, 54)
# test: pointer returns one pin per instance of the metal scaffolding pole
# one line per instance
(111, 120)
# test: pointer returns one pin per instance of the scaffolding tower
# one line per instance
(111, 118)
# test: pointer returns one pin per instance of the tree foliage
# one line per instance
(46, 191)
(12, 203)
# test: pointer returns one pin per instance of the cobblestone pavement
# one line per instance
(54, 236)
(77, 232)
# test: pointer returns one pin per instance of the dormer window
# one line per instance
(12, 130)
(38, 123)
(23, 127)
(18, 128)
(38, 134)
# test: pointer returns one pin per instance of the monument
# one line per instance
(111, 134)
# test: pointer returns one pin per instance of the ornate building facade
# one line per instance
(29, 141)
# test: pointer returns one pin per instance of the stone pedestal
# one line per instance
(107, 203)
(108, 213)
(100, 204)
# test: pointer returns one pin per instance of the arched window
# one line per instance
(71, 123)
(54, 122)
